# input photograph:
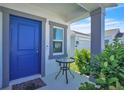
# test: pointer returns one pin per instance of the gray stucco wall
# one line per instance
(0, 49)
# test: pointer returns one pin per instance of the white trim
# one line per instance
(20, 80)
(58, 40)
(84, 7)
(58, 27)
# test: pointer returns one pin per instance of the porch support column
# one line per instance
(97, 30)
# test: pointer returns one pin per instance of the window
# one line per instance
(58, 40)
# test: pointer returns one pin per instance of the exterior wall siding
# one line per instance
(50, 65)
(83, 43)
(0, 49)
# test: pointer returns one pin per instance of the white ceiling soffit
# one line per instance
(71, 12)
(92, 6)
(66, 11)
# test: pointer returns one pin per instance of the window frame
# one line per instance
(53, 55)
(59, 41)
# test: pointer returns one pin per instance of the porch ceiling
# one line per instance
(65, 12)
(71, 12)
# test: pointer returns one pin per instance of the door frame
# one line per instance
(6, 41)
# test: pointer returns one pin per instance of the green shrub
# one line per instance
(82, 60)
(108, 67)
(87, 86)
(74, 67)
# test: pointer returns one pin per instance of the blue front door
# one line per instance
(25, 47)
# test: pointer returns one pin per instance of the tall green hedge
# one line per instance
(109, 66)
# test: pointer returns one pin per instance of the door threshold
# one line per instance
(17, 81)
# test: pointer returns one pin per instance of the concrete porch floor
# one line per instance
(60, 83)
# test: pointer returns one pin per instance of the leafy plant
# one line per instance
(108, 67)
(87, 86)
(82, 60)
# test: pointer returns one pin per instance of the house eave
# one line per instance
(66, 12)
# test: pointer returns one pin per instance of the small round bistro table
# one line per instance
(64, 64)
